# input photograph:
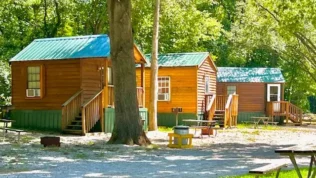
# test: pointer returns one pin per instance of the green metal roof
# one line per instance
(242, 74)
(91, 46)
(180, 59)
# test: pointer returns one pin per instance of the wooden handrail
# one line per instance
(229, 100)
(92, 112)
(71, 109)
(71, 98)
(231, 111)
(211, 103)
(96, 95)
(211, 107)
(285, 108)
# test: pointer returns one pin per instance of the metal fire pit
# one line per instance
(50, 141)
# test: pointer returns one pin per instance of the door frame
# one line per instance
(268, 91)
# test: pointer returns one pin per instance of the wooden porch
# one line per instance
(80, 116)
(292, 113)
(222, 108)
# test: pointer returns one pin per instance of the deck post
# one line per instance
(83, 117)
(101, 111)
(106, 88)
(143, 83)
(287, 111)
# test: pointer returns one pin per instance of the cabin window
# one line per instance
(110, 76)
(231, 90)
(33, 81)
(163, 88)
(207, 84)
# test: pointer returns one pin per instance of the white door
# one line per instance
(274, 94)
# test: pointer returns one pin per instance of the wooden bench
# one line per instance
(14, 130)
(268, 169)
(172, 136)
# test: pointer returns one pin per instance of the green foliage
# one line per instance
(253, 33)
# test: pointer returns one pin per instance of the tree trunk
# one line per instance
(127, 125)
(154, 72)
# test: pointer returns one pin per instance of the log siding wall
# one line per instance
(252, 96)
(206, 69)
(183, 85)
(91, 77)
(62, 80)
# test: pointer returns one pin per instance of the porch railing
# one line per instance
(210, 106)
(140, 95)
(71, 109)
(111, 96)
(285, 108)
(92, 112)
(231, 111)
(221, 102)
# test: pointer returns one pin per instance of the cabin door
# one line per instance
(274, 94)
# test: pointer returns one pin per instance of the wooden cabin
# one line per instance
(65, 84)
(185, 81)
(260, 91)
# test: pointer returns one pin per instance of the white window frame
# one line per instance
(160, 87)
(231, 86)
(37, 92)
(279, 91)
(207, 84)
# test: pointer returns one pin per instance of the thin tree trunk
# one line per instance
(154, 72)
(45, 19)
(127, 125)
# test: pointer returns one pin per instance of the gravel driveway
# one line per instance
(231, 152)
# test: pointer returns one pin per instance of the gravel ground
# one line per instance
(231, 152)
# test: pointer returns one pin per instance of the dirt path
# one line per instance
(231, 152)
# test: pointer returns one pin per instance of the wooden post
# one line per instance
(143, 83)
(83, 119)
(106, 83)
(101, 110)
(287, 112)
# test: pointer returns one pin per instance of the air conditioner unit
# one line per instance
(33, 92)
(163, 97)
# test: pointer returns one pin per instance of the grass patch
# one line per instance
(11, 169)
(165, 129)
(81, 156)
(283, 174)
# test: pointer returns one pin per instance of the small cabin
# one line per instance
(260, 91)
(183, 81)
(66, 84)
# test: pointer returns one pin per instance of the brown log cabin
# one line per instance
(188, 81)
(260, 91)
(65, 84)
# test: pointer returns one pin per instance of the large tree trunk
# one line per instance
(127, 125)
(154, 72)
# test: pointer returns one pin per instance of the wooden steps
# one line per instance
(73, 132)
(219, 117)
(75, 127)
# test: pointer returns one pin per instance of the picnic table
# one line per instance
(307, 150)
(257, 119)
(6, 128)
(5, 124)
(201, 124)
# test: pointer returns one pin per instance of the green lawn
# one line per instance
(283, 174)
(165, 129)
